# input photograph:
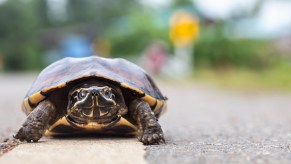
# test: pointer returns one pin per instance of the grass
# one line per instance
(275, 78)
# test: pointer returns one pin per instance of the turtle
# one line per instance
(93, 95)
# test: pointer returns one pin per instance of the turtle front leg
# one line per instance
(150, 131)
(37, 122)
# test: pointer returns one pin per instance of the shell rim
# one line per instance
(32, 100)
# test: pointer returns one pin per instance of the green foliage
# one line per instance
(23, 24)
(215, 50)
(276, 77)
(100, 13)
(132, 34)
(129, 29)
(19, 22)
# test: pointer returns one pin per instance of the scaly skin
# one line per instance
(150, 131)
(37, 122)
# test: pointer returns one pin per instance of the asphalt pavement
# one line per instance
(203, 124)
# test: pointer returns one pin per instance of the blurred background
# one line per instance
(188, 46)
(241, 43)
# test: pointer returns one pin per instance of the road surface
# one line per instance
(202, 125)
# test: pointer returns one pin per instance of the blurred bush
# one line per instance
(216, 50)
(28, 29)
(18, 42)
(132, 34)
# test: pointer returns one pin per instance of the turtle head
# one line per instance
(95, 103)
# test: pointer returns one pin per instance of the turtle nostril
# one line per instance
(94, 92)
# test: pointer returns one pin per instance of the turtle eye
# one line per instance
(82, 94)
(108, 93)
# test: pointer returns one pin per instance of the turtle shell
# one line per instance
(118, 71)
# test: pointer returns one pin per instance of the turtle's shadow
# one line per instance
(93, 136)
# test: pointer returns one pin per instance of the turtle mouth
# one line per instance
(83, 120)
(90, 125)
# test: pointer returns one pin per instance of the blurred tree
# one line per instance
(24, 25)
(131, 34)
(19, 21)
(99, 14)
(128, 27)
(181, 3)
(216, 50)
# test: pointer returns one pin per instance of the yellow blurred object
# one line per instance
(1, 62)
(184, 28)
(102, 47)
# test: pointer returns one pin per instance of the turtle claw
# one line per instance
(162, 141)
(29, 133)
(152, 137)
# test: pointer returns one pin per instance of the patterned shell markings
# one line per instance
(119, 70)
